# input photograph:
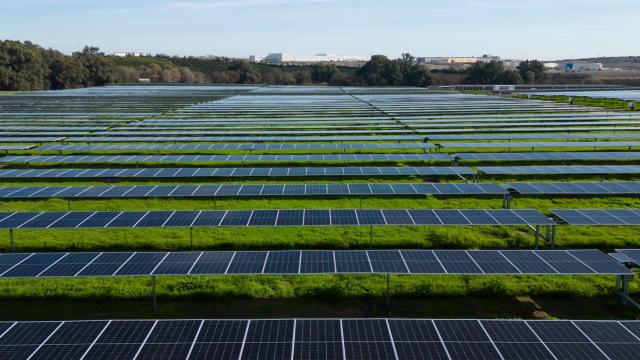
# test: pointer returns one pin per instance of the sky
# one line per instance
(538, 29)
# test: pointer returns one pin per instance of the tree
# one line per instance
(418, 76)
(23, 66)
(65, 72)
(100, 70)
(532, 71)
(321, 73)
(489, 73)
(248, 72)
(380, 71)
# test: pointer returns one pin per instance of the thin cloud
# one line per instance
(198, 5)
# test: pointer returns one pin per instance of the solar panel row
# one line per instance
(220, 158)
(238, 146)
(577, 188)
(598, 216)
(307, 217)
(531, 144)
(281, 339)
(234, 172)
(454, 262)
(560, 170)
(550, 156)
(233, 190)
(630, 255)
(108, 139)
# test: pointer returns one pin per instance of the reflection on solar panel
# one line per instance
(609, 94)
(526, 144)
(577, 188)
(239, 146)
(520, 136)
(214, 218)
(233, 190)
(233, 172)
(220, 158)
(302, 262)
(15, 147)
(560, 170)
(322, 339)
(633, 255)
(551, 156)
(194, 138)
(598, 217)
(37, 139)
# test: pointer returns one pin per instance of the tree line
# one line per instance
(494, 72)
(27, 66)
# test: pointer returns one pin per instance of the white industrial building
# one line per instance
(289, 58)
(582, 66)
(129, 54)
(457, 60)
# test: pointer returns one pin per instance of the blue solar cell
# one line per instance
(316, 262)
(290, 218)
(248, 262)
(344, 217)
(352, 261)
(209, 218)
(387, 261)
(317, 217)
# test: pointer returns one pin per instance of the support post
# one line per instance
(506, 201)
(535, 246)
(388, 295)
(191, 237)
(215, 203)
(68, 204)
(371, 236)
(547, 234)
(12, 241)
(361, 199)
(155, 296)
(553, 236)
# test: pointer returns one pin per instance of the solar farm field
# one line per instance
(257, 202)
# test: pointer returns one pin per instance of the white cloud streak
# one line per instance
(215, 4)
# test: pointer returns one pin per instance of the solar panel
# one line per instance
(307, 217)
(301, 262)
(618, 188)
(550, 156)
(233, 172)
(38, 159)
(229, 146)
(633, 255)
(598, 216)
(322, 338)
(559, 170)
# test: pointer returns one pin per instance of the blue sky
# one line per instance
(542, 29)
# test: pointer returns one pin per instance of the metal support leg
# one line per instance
(191, 238)
(547, 235)
(155, 296)
(11, 240)
(69, 205)
(506, 201)
(388, 295)
(361, 199)
(215, 203)
(553, 236)
(371, 236)
(535, 244)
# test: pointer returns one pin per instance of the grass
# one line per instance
(613, 104)
(315, 295)
(322, 237)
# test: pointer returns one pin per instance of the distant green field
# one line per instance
(614, 104)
